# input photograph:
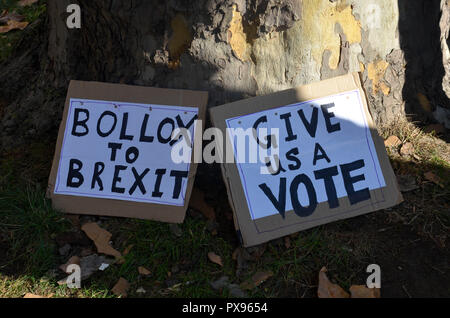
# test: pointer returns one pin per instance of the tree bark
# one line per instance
(236, 49)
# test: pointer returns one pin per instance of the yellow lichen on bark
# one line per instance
(181, 38)
(237, 37)
(375, 72)
(319, 19)
(361, 67)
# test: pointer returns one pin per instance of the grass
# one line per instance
(30, 13)
(29, 222)
(171, 259)
(179, 265)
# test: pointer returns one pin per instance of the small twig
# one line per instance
(437, 269)
(406, 291)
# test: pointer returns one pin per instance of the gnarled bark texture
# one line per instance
(236, 49)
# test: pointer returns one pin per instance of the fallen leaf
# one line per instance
(256, 280)
(171, 289)
(392, 141)
(24, 3)
(72, 260)
(6, 16)
(327, 289)
(287, 242)
(101, 239)
(430, 176)
(127, 250)
(121, 288)
(143, 271)
(30, 295)
(121, 260)
(12, 25)
(213, 257)
(407, 149)
(361, 291)
(198, 202)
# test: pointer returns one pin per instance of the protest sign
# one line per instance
(113, 153)
(320, 159)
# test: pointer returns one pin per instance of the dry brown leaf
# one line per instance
(287, 242)
(198, 202)
(213, 257)
(5, 16)
(127, 250)
(430, 176)
(13, 24)
(121, 260)
(24, 3)
(72, 260)
(361, 291)
(30, 295)
(121, 287)
(256, 280)
(327, 289)
(101, 239)
(143, 271)
(392, 141)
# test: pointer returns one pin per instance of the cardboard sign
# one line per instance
(113, 154)
(330, 162)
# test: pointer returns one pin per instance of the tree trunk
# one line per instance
(241, 48)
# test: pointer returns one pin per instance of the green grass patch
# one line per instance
(179, 265)
(28, 224)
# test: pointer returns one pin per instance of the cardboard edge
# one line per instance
(221, 112)
(377, 139)
(225, 178)
(58, 200)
